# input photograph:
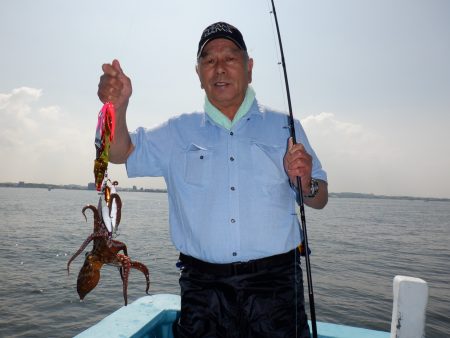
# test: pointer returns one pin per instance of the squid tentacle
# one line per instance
(126, 265)
(83, 246)
(141, 267)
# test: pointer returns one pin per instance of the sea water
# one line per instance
(358, 246)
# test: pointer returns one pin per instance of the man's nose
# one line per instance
(220, 67)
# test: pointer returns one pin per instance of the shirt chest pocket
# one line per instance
(268, 162)
(198, 164)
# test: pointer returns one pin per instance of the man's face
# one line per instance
(224, 72)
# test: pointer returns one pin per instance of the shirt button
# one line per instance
(233, 220)
(233, 188)
(231, 133)
(234, 253)
(231, 158)
(201, 157)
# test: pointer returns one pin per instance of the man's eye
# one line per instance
(208, 61)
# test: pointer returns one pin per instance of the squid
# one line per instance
(105, 250)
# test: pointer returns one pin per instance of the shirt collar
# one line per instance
(218, 117)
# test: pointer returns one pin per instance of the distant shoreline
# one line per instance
(373, 196)
(91, 186)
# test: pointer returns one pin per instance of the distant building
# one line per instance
(21, 184)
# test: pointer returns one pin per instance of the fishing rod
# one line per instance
(299, 185)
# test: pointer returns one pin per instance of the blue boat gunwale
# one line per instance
(152, 316)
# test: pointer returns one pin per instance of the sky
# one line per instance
(369, 80)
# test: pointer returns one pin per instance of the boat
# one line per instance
(152, 317)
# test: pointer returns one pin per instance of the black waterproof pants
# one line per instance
(268, 302)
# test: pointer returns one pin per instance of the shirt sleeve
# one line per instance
(152, 148)
(317, 171)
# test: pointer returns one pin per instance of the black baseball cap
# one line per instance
(221, 30)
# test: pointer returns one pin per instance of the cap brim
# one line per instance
(218, 37)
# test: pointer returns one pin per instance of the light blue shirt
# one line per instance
(229, 196)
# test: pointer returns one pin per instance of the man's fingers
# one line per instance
(294, 148)
(295, 153)
(109, 88)
(114, 85)
(108, 69)
(290, 143)
(117, 67)
(113, 69)
(120, 74)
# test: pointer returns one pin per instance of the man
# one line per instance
(231, 189)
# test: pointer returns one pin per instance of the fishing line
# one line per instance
(300, 200)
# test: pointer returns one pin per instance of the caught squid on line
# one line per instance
(105, 250)
(107, 217)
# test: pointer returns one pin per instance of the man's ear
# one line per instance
(250, 69)
(196, 70)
